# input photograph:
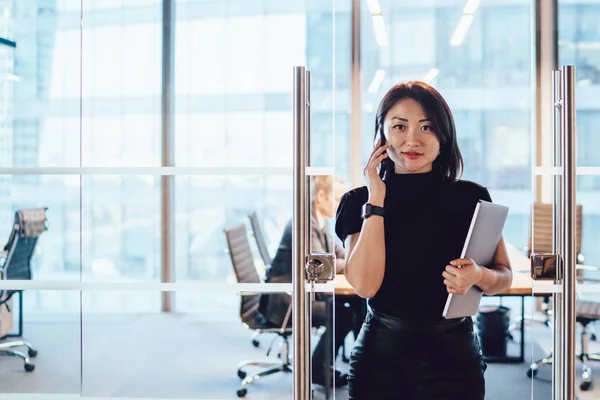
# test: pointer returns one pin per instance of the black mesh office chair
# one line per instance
(28, 226)
(245, 272)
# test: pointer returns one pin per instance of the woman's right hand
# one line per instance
(374, 183)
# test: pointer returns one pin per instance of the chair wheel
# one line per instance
(29, 367)
(584, 386)
(531, 373)
(242, 392)
(32, 353)
(241, 374)
(255, 343)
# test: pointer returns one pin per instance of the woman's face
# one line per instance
(413, 143)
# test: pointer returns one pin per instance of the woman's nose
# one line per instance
(412, 136)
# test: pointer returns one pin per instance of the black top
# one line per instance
(425, 226)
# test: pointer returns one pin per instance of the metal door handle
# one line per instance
(545, 266)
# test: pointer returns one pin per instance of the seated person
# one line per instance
(325, 198)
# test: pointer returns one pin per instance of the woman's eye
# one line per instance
(399, 126)
(427, 128)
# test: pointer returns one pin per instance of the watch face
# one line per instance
(366, 212)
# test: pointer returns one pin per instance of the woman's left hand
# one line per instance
(461, 274)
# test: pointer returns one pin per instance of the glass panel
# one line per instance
(120, 228)
(48, 318)
(234, 109)
(539, 307)
(578, 39)
(577, 45)
(46, 95)
(40, 126)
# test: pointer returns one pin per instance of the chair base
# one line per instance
(584, 357)
(586, 373)
(268, 368)
(536, 320)
(6, 349)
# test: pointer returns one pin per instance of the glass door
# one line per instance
(564, 222)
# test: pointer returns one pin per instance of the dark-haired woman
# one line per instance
(405, 230)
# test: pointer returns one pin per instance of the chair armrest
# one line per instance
(287, 318)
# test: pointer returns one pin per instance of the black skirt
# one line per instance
(395, 359)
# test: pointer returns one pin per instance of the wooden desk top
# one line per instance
(522, 284)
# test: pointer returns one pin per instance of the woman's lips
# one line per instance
(411, 155)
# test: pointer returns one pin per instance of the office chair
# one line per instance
(540, 241)
(259, 236)
(245, 272)
(263, 250)
(586, 312)
(27, 228)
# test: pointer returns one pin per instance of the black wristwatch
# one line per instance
(369, 209)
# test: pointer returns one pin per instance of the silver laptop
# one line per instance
(480, 245)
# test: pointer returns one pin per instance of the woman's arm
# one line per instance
(463, 273)
(366, 256)
(497, 278)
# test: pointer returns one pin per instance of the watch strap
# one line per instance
(369, 209)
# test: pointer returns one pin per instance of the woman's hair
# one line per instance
(449, 162)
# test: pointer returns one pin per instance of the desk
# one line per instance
(522, 286)
(522, 283)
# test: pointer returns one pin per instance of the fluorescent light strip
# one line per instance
(579, 171)
(196, 287)
(162, 171)
(430, 76)
(461, 30)
(374, 6)
(379, 27)
(376, 82)
(471, 6)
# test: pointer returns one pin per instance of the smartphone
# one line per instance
(384, 162)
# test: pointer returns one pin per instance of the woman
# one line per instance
(406, 229)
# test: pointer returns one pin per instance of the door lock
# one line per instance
(320, 267)
(545, 267)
